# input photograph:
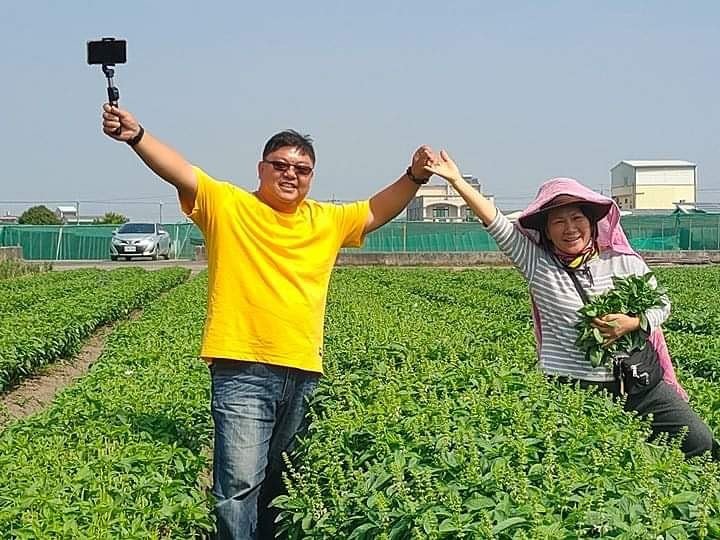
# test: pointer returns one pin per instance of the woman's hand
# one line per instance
(444, 166)
(615, 325)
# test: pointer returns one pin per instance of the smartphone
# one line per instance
(107, 51)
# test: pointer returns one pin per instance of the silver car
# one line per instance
(140, 240)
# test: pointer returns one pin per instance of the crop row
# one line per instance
(12, 268)
(26, 292)
(52, 327)
(693, 293)
(119, 454)
(698, 355)
(434, 423)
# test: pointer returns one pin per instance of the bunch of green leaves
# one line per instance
(633, 296)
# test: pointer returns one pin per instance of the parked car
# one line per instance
(140, 240)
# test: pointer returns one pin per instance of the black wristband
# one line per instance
(417, 180)
(137, 138)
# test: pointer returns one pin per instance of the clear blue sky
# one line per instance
(517, 91)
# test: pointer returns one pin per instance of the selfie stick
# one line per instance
(112, 91)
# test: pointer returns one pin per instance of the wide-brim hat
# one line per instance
(594, 210)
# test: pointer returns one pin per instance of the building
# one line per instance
(697, 208)
(7, 219)
(654, 185)
(441, 203)
(69, 215)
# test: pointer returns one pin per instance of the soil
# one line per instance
(36, 392)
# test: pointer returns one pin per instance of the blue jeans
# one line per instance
(258, 410)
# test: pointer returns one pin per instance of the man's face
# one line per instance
(285, 177)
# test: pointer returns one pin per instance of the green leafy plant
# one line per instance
(632, 295)
(13, 268)
(39, 215)
(431, 422)
(112, 218)
(119, 454)
(46, 317)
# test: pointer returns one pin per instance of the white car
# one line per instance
(140, 240)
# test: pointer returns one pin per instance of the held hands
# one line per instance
(420, 159)
(615, 325)
(443, 166)
(114, 118)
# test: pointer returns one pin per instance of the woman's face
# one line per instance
(568, 229)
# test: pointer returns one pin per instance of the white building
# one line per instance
(441, 203)
(69, 215)
(654, 184)
(7, 219)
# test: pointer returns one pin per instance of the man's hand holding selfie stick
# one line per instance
(121, 125)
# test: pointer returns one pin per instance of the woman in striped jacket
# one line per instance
(569, 245)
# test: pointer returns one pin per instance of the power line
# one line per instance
(105, 201)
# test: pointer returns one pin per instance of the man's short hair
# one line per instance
(292, 138)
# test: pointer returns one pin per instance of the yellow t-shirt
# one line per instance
(268, 272)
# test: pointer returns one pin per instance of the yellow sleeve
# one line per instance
(351, 221)
(207, 200)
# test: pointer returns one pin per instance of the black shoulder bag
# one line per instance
(636, 373)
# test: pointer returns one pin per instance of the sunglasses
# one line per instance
(282, 166)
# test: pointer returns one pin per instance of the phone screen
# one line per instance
(107, 52)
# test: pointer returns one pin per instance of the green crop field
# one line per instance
(431, 422)
(45, 316)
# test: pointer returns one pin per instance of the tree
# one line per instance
(112, 218)
(39, 215)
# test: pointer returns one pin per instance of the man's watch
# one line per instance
(137, 138)
(419, 181)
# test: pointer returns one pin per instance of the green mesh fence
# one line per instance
(646, 233)
(421, 236)
(86, 242)
(676, 232)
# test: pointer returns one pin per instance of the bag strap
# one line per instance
(578, 287)
(576, 282)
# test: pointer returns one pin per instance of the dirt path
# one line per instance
(194, 266)
(37, 391)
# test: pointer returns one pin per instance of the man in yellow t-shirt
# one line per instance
(270, 255)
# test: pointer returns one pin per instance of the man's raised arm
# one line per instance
(389, 202)
(163, 160)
